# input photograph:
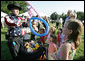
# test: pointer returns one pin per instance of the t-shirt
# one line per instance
(58, 37)
(61, 20)
(42, 39)
(62, 36)
(67, 18)
(2, 20)
(11, 22)
(48, 36)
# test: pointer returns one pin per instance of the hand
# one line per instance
(20, 23)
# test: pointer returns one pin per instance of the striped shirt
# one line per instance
(14, 29)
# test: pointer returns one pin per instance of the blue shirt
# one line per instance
(67, 18)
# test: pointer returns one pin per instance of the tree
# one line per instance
(63, 16)
(80, 15)
(5, 3)
(54, 16)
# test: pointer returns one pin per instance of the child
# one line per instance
(42, 38)
(58, 37)
(51, 31)
(26, 32)
(45, 18)
(52, 46)
(35, 28)
(72, 30)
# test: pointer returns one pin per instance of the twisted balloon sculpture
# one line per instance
(34, 18)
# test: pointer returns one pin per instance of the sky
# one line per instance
(46, 8)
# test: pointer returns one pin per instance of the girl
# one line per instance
(52, 46)
(72, 30)
(51, 31)
(42, 38)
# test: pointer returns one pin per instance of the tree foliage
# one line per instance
(63, 16)
(21, 3)
(80, 15)
(54, 16)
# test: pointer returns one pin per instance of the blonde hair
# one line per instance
(73, 15)
(76, 26)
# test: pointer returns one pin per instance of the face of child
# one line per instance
(54, 28)
(41, 31)
(50, 30)
(15, 11)
(50, 39)
(65, 30)
(69, 12)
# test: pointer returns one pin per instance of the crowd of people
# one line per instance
(60, 46)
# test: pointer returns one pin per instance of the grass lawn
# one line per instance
(5, 54)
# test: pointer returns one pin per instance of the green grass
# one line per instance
(5, 53)
(80, 52)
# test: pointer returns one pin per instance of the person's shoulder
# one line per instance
(66, 45)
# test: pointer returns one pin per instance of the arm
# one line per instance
(9, 22)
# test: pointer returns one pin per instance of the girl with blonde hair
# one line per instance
(72, 30)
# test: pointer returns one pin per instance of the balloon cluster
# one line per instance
(31, 46)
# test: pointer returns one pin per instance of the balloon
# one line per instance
(32, 30)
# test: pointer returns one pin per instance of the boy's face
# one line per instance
(15, 11)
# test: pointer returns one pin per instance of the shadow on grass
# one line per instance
(80, 58)
(5, 53)
(82, 36)
(3, 33)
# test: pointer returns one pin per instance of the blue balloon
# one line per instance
(32, 30)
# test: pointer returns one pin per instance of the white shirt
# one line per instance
(2, 20)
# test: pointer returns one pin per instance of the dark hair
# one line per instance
(76, 27)
(54, 37)
(42, 29)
